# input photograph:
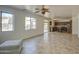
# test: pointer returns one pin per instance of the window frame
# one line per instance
(32, 23)
(26, 22)
(31, 28)
(12, 21)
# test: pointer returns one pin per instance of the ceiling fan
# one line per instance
(43, 10)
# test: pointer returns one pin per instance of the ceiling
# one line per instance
(56, 11)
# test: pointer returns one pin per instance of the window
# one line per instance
(27, 23)
(33, 23)
(7, 22)
(30, 23)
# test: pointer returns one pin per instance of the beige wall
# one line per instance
(63, 19)
(78, 25)
(19, 31)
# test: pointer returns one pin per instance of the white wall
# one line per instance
(75, 25)
(78, 26)
(19, 31)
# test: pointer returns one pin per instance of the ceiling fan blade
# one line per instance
(37, 11)
(43, 10)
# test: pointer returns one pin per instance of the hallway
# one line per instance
(52, 43)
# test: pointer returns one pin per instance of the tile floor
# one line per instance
(52, 43)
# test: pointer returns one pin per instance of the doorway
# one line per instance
(45, 26)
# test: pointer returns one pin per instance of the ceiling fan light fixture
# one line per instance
(43, 12)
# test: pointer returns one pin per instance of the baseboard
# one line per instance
(75, 35)
(34, 36)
